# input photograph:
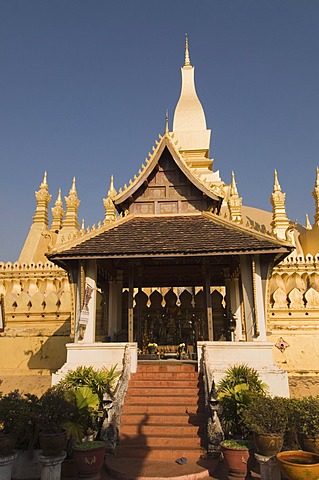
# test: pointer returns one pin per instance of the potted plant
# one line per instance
(305, 412)
(235, 391)
(85, 388)
(152, 348)
(54, 410)
(9, 421)
(81, 425)
(267, 418)
(27, 464)
(237, 454)
(18, 424)
(89, 458)
(182, 351)
(101, 383)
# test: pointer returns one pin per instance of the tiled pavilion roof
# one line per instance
(173, 235)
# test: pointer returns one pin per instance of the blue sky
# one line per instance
(85, 85)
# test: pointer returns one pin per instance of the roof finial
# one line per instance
(111, 192)
(187, 58)
(308, 224)
(277, 187)
(166, 122)
(73, 187)
(44, 181)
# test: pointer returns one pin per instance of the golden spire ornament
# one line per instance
(187, 57)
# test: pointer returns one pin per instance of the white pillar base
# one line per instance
(269, 468)
(51, 466)
(6, 464)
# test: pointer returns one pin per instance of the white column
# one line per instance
(235, 305)
(130, 311)
(77, 305)
(248, 295)
(259, 300)
(91, 273)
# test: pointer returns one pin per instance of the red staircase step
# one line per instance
(158, 429)
(164, 418)
(158, 453)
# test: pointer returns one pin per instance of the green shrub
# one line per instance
(266, 415)
(305, 412)
(54, 410)
(237, 444)
(18, 415)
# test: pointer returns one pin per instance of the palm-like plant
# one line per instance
(99, 381)
(242, 374)
(235, 391)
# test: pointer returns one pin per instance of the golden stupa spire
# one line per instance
(280, 222)
(233, 186)
(43, 198)
(72, 204)
(234, 202)
(57, 213)
(187, 62)
(110, 210)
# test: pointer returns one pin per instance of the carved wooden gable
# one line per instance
(168, 191)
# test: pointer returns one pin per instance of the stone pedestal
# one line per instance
(51, 467)
(6, 464)
(269, 468)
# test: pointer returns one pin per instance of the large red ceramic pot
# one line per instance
(299, 465)
(89, 459)
(236, 455)
(68, 469)
(268, 444)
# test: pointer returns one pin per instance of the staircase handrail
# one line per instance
(214, 432)
(111, 425)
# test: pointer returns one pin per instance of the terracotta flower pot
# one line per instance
(299, 465)
(268, 444)
(89, 461)
(236, 461)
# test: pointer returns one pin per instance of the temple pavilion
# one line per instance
(166, 266)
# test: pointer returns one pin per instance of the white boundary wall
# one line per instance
(222, 355)
(97, 355)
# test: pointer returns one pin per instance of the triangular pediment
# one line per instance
(166, 185)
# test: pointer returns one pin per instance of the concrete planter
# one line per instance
(26, 466)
